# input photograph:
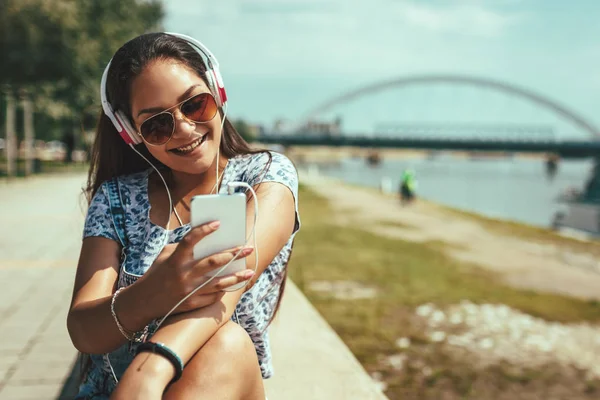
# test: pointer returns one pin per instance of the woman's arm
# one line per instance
(185, 334)
(90, 323)
(173, 275)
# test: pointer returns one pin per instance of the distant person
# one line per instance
(162, 139)
(551, 166)
(408, 186)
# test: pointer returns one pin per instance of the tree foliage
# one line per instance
(56, 50)
(245, 130)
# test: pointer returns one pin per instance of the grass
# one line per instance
(510, 228)
(406, 275)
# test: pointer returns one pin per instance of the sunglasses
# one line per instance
(159, 128)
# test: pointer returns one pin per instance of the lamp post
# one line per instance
(11, 137)
(28, 134)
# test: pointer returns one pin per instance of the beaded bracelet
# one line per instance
(161, 349)
(131, 336)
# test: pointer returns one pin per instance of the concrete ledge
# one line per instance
(311, 362)
(310, 359)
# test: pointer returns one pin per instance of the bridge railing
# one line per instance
(564, 148)
(476, 131)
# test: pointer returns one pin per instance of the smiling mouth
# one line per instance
(188, 148)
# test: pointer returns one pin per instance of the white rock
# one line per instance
(403, 343)
(437, 336)
(437, 317)
(497, 332)
(397, 361)
(425, 310)
(456, 319)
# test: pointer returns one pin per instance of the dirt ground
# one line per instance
(523, 263)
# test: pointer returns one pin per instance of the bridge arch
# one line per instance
(530, 95)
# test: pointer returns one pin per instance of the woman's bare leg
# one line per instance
(225, 368)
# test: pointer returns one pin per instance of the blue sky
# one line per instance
(281, 58)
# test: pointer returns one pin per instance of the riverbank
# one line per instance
(325, 154)
(430, 300)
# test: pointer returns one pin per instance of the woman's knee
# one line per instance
(226, 363)
(232, 341)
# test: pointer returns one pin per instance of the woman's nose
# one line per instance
(183, 125)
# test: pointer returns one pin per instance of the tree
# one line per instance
(55, 51)
(245, 130)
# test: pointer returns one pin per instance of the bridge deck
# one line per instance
(567, 149)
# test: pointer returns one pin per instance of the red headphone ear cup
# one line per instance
(220, 86)
(128, 133)
(222, 95)
(214, 87)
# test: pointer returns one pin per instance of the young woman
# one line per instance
(164, 92)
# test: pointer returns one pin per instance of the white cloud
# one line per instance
(323, 48)
(464, 17)
(344, 39)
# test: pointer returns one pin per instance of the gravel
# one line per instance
(499, 333)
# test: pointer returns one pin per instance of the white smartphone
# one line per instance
(230, 210)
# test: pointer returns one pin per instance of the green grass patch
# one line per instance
(406, 275)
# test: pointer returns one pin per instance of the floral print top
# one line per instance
(145, 239)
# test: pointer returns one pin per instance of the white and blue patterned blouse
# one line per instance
(255, 308)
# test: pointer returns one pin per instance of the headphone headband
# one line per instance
(212, 60)
(213, 77)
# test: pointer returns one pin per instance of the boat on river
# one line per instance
(581, 212)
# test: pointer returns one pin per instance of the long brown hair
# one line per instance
(110, 155)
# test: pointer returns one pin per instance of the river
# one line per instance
(515, 189)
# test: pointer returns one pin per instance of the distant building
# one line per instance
(282, 126)
(314, 127)
(311, 127)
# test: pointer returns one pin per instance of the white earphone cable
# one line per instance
(213, 65)
(252, 235)
(230, 186)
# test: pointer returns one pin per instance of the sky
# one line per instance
(282, 58)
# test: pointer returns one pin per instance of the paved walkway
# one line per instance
(41, 220)
(39, 243)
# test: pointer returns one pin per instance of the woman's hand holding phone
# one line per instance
(175, 274)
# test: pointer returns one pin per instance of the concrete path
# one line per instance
(310, 360)
(39, 243)
(41, 220)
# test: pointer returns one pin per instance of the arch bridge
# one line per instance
(507, 137)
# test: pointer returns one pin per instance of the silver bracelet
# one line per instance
(128, 336)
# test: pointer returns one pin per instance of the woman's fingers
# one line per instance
(232, 279)
(218, 260)
(185, 248)
(213, 292)
(200, 300)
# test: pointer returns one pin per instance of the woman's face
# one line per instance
(161, 85)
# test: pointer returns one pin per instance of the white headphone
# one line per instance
(131, 137)
(213, 77)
